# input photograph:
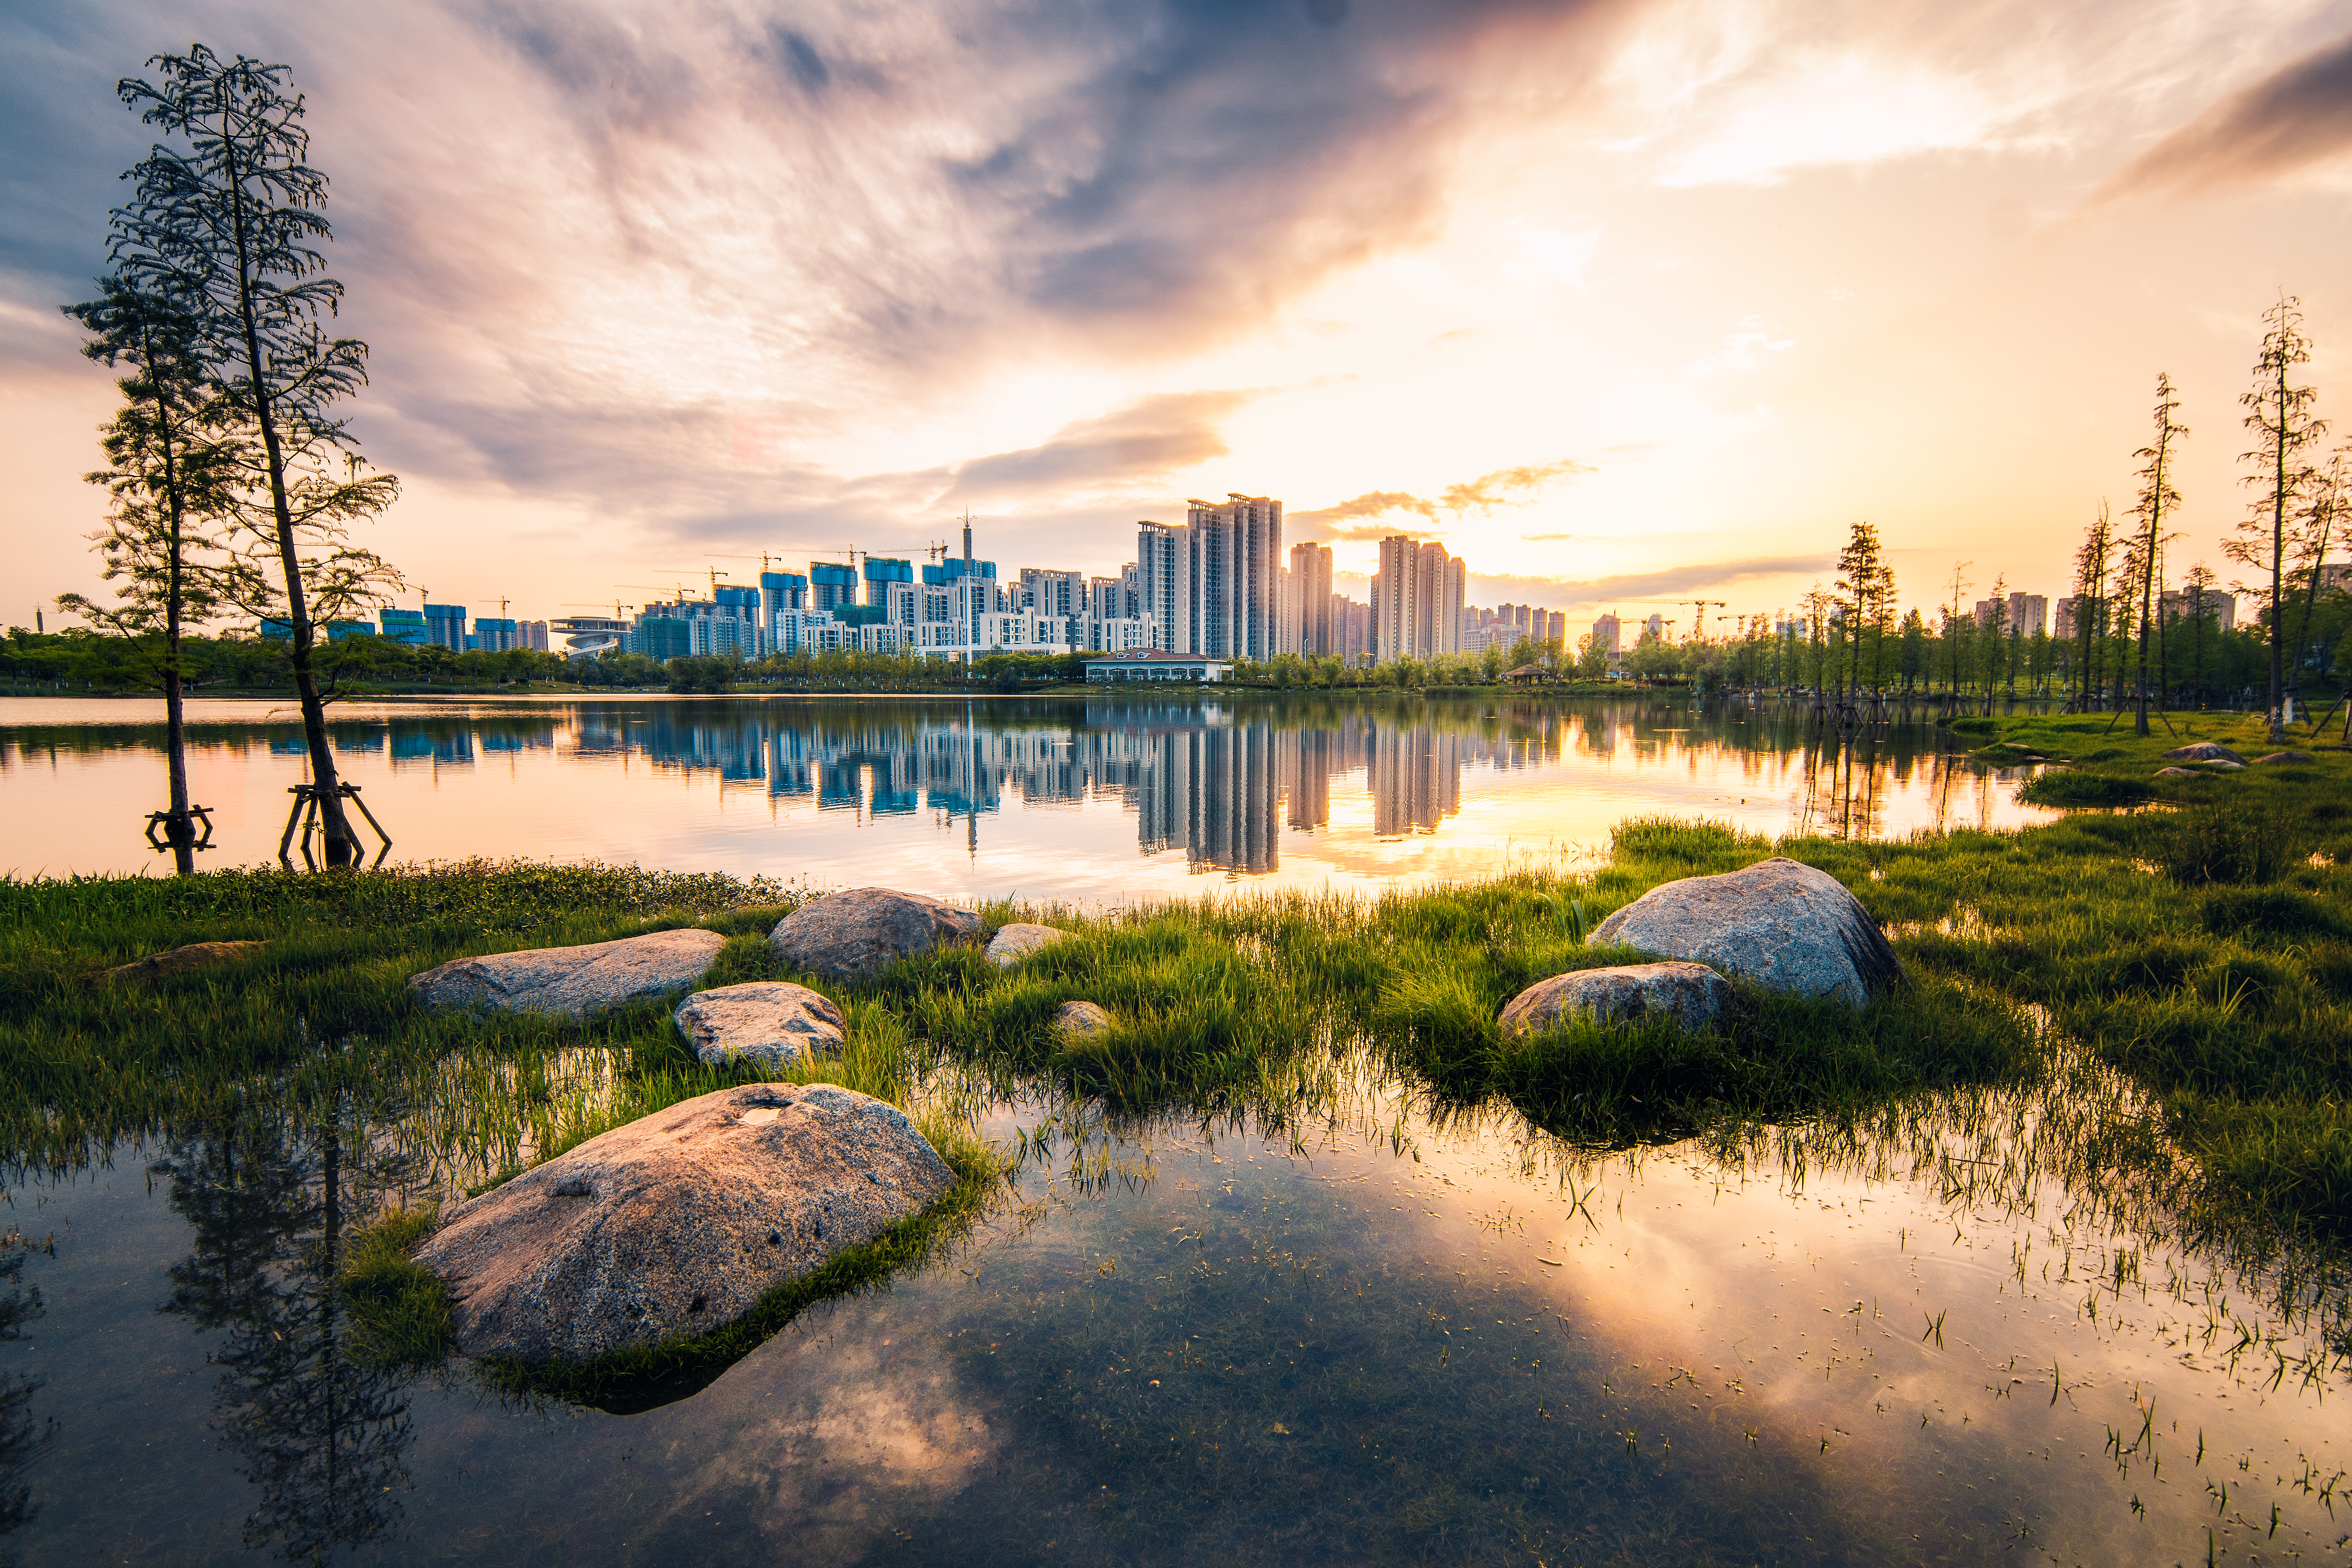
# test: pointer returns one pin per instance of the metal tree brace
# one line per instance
(308, 795)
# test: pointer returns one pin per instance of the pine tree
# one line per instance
(2280, 414)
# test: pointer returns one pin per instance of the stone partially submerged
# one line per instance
(1014, 942)
(679, 1222)
(1692, 994)
(772, 1023)
(1080, 1020)
(572, 982)
(1785, 926)
(856, 934)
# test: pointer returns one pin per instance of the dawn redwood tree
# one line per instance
(2280, 413)
(1952, 624)
(2090, 580)
(227, 222)
(2157, 497)
(168, 480)
(2319, 520)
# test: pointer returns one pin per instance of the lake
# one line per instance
(1350, 1325)
(1091, 800)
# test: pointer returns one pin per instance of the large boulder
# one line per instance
(2204, 751)
(1783, 925)
(1014, 942)
(572, 982)
(1692, 994)
(679, 1222)
(856, 934)
(772, 1023)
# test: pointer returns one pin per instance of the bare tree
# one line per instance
(229, 224)
(2280, 414)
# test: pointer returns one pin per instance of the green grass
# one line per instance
(399, 1313)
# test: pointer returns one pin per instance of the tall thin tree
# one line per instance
(169, 477)
(2280, 413)
(2090, 580)
(2157, 497)
(229, 221)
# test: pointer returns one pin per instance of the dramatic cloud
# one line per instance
(1485, 492)
(2295, 117)
(1126, 450)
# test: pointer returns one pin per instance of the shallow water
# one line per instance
(1092, 800)
(1360, 1337)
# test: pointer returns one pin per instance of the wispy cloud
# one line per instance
(2297, 116)
(1664, 583)
(1132, 447)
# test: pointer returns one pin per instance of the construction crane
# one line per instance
(1698, 608)
(583, 604)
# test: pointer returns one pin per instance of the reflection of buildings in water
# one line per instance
(1416, 779)
(1197, 775)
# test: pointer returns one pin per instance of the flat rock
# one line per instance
(572, 982)
(180, 961)
(2180, 773)
(1691, 993)
(1783, 925)
(771, 1022)
(856, 934)
(1013, 943)
(2283, 757)
(2203, 752)
(679, 1222)
(2228, 767)
(1082, 1019)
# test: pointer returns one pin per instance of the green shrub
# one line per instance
(2226, 840)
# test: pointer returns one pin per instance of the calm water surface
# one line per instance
(1093, 799)
(1364, 1332)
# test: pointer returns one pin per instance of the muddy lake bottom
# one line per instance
(1363, 1336)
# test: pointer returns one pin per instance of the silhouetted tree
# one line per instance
(2157, 497)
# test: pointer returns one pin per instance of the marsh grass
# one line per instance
(398, 1313)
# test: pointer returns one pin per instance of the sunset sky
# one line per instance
(1622, 300)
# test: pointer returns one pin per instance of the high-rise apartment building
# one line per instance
(445, 625)
(1233, 579)
(831, 586)
(1163, 556)
(1417, 597)
(1310, 598)
(1044, 592)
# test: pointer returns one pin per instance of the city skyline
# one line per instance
(1622, 303)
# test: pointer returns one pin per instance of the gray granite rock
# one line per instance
(2283, 757)
(856, 934)
(2203, 752)
(679, 1222)
(1013, 943)
(773, 1022)
(1785, 926)
(1082, 1019)
(572, 982)
(1692, 994)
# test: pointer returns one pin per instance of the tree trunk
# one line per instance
(343, 847)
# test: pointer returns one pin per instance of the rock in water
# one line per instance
(1082, 1019)
(773, 1022)
(1780, 924)
(679, 1222)
(1692, 994)
(572, 981)
(856, 935)
(1013, 943)
(2204, 751)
